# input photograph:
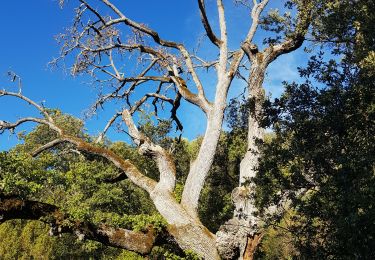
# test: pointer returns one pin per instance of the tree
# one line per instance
(97, 44)
(321, 159)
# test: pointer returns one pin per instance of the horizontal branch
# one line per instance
(31, 102)
(11, 126)
(126, 166)
(147, 78)
(149, 95)
(129, 47)
(12, 207)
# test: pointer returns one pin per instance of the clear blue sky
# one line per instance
(27, 45)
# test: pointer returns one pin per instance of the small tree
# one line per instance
(172, 73)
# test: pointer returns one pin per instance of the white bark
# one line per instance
(233, 235)
(244, 204)
(202, 164)
(185, 228)
(188, 231)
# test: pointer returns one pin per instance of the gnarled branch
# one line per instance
(126, 166)
(162, 158)
(12, 207)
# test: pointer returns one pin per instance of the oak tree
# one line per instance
(102, 37)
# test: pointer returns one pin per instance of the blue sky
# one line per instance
(27, 45)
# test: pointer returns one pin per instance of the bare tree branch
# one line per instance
(47, 121)
(11, 126)
(138, 26)
(255, 14)
(185, 54)
(223, 58)
(131, 171)
(48, 145)
(93, 11)
(108, 125)
(211, 35)
(20, 96)
(125, 165)
(189, 96)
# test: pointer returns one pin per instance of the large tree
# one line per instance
(100, 39)
(321, 159)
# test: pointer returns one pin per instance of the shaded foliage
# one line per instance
(322, 158)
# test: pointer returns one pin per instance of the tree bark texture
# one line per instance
(233, 236)
(236, 239)
(12, 207)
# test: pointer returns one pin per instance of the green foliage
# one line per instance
(19, 174)
(178, 191)
(78, 184)
(215, 205)
(30, 240)
(157, 132)
(348, 26)
(166, 253)
(322, 159)
(21, 243)
(141, 222)
(277, 242)
(276, 23)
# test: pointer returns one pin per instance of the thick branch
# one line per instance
(295, 39)
(200, 167)
(125, 165)
(223, 58)
(12, 207)
(191, 97)
(211, 35)
(255, 14)
(162, 158)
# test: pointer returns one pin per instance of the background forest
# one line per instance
(317, 162)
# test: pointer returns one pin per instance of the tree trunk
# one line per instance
(188, 231)
(234, 235)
